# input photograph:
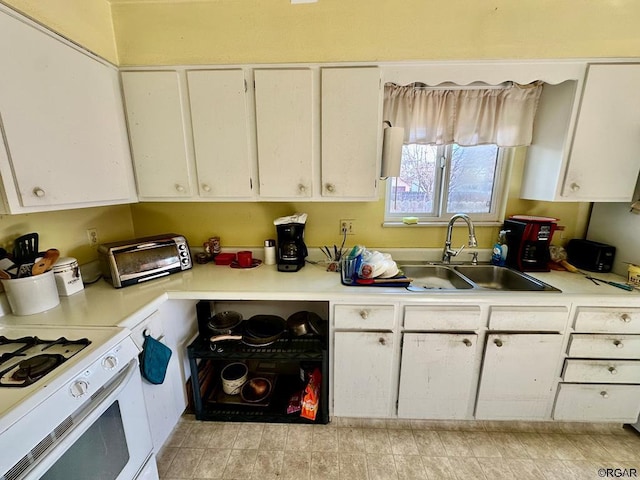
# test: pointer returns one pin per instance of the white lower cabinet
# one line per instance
(518, 376)
(437, 373)
(597, 402)
(363, 374)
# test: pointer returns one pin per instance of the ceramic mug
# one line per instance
(234, 377)
(245, 258)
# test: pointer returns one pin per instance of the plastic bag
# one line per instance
(311, 398)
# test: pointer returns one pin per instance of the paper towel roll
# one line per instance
(392, 140)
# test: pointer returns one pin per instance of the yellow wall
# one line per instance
(86, 22)
(251, 31)
(67, 230)
(149, 32)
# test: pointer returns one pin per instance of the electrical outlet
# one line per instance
(92, 235)
(347, 225)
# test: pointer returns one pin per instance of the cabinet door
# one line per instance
(351, 132)
(362, 379)
(285, 125)
(220, 132)
(518, 374)
(63, 124)
(604, 155)
(156, 128)
(436, 376)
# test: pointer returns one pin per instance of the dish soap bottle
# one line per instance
(499, 254)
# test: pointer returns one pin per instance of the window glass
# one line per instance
(471, 179)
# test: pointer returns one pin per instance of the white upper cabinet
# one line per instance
(599, 161)
(351, 132)
(219, 114)
(189, 134)
(285, 123)
(64, 137)
(158, 139)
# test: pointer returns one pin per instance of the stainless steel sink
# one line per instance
(501, 278)
(435, 277)
(470, 277)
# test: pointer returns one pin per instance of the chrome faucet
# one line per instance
(447, 252)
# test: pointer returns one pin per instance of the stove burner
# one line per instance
(36, 367)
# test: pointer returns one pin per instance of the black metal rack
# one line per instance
(281, 361)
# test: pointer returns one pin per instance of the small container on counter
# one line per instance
(270, 252)
(29, 295)
(68, 278)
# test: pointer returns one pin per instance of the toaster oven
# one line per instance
(141, 259)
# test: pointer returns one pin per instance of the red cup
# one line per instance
(245, 259)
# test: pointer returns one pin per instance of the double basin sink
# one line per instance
(470, 277)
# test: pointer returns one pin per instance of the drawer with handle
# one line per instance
(364, 317)
(605, 320)
(601, 371)
(583, 345)
(597, 402)
(443, 317)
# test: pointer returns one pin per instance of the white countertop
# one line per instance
(102, 305)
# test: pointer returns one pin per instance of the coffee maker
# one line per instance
(528, 240)
(291, 248)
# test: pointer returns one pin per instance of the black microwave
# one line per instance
(590, 255)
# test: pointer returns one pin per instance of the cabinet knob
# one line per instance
(330, 187)
(618, 343)
(382, 341)
(604, 394)
(38, 192)
(206, 187)
(613, 371)
(364, 314)
(180, 188)
(625, 318)
(498, 342)
(302, 188)
(467, 342)
(574, 187)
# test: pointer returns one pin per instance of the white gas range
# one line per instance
(66, 394)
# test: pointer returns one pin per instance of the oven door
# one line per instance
(110, 439)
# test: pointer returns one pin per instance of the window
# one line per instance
(436, 182)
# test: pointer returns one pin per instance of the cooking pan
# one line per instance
(223, 323)
(302, 323)
(258, 331)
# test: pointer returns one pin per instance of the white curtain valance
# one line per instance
(478, 116)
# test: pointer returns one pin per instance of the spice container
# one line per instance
(270, 252)
(68, 278)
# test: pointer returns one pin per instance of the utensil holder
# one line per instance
(30, 295)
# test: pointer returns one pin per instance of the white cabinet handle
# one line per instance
(180, 188)
(38, 192)
(467, 342)
(364, 314)
(206, 187)
(625, 318)
(618, 344)
(574, 187)
(498, 342)
(604, 394)
(330, 187)
(302, 188)
(613, 371)
(382, 341)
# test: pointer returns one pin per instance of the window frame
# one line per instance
(504, 161)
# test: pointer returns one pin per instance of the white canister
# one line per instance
(31, 295)
(68, 277)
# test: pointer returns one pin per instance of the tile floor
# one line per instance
(354, 449)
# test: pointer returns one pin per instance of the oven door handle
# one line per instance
(82, 419)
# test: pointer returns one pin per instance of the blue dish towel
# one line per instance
(154, 360)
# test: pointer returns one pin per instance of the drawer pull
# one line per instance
(498, 342)
(38, 192)
(618, 344)
(467, 342)
(604, 394)
(613, 370)
(625, 318)
(382, 341)
(364, 314)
